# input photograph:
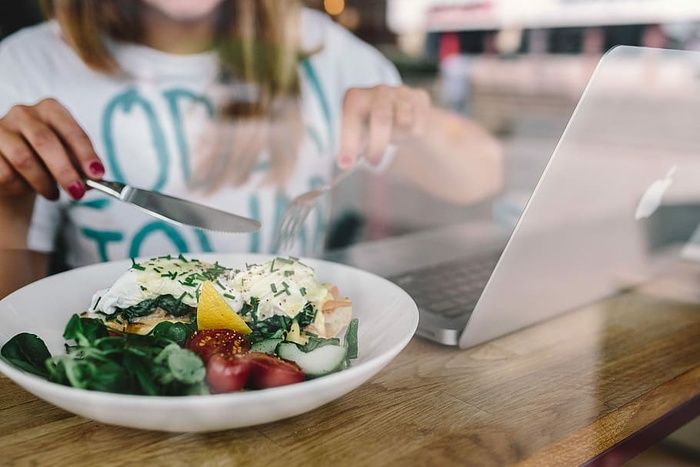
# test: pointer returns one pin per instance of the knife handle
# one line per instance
(115, 189)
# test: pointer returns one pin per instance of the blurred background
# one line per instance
(518, 67)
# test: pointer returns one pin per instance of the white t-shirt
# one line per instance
(144, 128)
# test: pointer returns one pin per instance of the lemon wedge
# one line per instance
(214, 313)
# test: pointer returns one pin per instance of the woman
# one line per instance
(238, 104)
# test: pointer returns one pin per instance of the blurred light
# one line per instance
(334, 7)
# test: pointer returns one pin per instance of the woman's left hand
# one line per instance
(374, 118)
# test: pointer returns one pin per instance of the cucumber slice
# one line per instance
(318, 362)
(267, 346)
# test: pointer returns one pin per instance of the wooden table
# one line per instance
(607, 380)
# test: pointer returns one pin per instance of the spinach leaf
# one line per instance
(176, 332)
(351, 339)
(307, 315)
(27, 352)
(271, 328)
(170, 304)
(173, 306)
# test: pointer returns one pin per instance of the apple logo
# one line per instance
(651, 199)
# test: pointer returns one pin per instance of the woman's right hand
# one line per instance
(43, 147)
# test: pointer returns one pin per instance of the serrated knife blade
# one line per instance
(175, 210)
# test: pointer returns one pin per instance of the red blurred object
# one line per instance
(449, 45)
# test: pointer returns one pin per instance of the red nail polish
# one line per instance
(97, 169)
(76, 190)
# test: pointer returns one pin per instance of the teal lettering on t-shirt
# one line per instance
(315, 83)
(102, 238)
(158, 226)
(127, 101)
(173, 96)
(99, 204)
(204, 242)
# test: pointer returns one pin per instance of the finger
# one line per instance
(405, 111)
(75, 138)
(355, 114)
(11, 183)
(50, 150)
(381, 125)
(421, 111)
(19, 158)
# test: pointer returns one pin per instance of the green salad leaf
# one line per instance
(127, 363)
(84, 330)
(27, 352)
(351, 339)
(316, 342)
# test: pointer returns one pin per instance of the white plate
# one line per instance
(388, 318)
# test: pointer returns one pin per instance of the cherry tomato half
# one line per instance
(268, 372)
(207, 342)
(227, 372)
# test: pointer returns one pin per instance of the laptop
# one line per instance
(595, 225)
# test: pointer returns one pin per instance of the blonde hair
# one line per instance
(258, 45)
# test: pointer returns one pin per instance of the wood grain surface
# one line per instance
(559, 393)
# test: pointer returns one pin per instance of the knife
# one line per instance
(175, 210)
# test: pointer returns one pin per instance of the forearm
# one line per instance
(15, 216)
(454, 159)
(18, 266)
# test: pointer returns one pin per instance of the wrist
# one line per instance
(15, 216)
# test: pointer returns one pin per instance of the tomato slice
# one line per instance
(227, 372)
(208, 342)
(268, 372)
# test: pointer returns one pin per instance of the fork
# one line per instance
(300, 207)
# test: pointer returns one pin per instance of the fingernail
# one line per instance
(76, 190)
(345, 162)
(97, 169)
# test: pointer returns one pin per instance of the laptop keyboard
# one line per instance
(449, 289)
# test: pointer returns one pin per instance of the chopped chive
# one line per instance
(228, 295)
(284, 290)
(182, 258)
(302, 291)
(273, 287)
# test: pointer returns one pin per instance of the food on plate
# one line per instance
(181, 326)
